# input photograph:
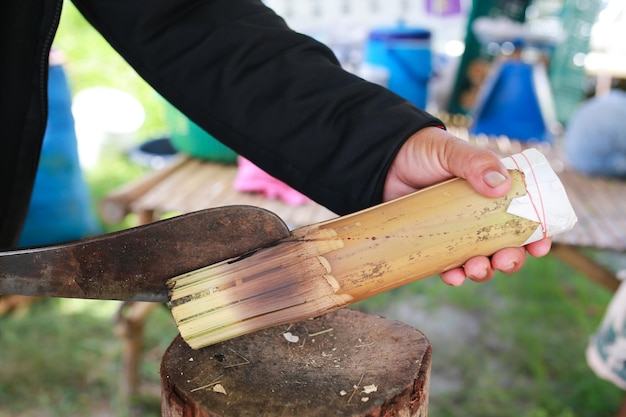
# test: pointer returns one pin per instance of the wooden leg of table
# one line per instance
(583, 263)
(146, 216)
(622, 409)
(130, 321)
(16, 304)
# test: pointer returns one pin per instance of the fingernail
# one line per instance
(456, 282)
(494, 179)
(480, 276)
(510, 267)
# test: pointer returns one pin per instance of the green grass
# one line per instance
(61, 357)
(528, 357)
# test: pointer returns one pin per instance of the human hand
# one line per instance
(433, 155)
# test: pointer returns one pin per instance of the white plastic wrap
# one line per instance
(546, 201)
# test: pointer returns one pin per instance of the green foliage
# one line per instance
(92, 62)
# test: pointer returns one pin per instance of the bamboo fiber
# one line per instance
(329, 265)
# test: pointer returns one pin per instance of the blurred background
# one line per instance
(511, 347)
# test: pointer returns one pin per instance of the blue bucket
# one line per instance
(406, 54)
(60, 206)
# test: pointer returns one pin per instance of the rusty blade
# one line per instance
(134, 264)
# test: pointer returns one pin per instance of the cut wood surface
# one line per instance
(345, 363)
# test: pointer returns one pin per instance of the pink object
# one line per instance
(443, 7)
(253, 179)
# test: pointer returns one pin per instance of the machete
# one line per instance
(134, 264)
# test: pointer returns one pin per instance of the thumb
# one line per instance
(480, 167)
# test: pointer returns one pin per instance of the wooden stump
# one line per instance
(345, 363)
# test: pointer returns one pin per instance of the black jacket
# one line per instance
(275, 96)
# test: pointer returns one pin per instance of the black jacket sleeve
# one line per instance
(277, 97)
(26, 29)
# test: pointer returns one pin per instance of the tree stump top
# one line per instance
(345, 363)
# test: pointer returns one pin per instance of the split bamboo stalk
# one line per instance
(329, 265)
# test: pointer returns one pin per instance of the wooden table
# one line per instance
(190, 184)
(596, 246)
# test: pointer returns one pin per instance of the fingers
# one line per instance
(508, 260)
(454, 277)
(482, 268)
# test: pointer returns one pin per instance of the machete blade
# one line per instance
(135, 263)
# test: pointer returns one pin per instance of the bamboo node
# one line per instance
(332, 281)
(325, 264)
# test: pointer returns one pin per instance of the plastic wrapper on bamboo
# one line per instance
(329, 265)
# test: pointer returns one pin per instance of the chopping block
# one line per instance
(345, 363)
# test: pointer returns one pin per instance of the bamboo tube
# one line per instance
(326, 266)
